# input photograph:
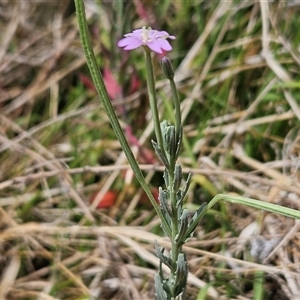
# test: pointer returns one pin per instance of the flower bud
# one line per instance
(167, 67)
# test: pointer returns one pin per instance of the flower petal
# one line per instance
(136, 33)
(130, 43)
(124, 42)
(164, 44)
(165, 35)
(154, 39)
(154, 46)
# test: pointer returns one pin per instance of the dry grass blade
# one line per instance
(9, 275)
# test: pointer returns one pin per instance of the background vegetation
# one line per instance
(237, 69)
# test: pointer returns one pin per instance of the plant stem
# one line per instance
(178, 125)
(175, 250)
(152, 99)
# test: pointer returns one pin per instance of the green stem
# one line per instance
(152, 99)
(178, 126)
(258, 287)
(175, 250)
(103, 95)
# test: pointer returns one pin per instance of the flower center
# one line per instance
(145, 35)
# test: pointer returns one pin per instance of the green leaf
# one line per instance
(273, 208)
(160, 293)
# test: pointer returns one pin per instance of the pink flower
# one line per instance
(154, 39)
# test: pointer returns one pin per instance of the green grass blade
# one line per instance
(270, 207)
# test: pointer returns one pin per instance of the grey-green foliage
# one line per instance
(171, 205)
